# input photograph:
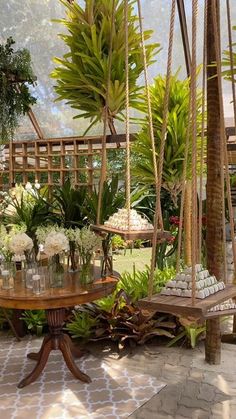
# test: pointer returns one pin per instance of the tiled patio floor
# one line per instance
(194, 389)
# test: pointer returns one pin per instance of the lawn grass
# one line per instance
(125, 261)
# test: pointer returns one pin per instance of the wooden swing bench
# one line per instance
(183, 306)
(133, 234)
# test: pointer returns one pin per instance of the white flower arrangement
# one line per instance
(87, 242)
(53, 239)
(43, 231)
(20, 243)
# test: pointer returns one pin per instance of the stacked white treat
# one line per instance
(119, 220)
(181, 285)
(226, 305)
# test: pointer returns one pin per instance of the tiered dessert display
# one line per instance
(120, 221)
(181, 285)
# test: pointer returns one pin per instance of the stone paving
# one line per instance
(194, 389)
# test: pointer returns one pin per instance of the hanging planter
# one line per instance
(15, 98)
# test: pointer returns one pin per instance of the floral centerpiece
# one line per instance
(55, 243)
(87, 243)
(21, 244)
(13, 243)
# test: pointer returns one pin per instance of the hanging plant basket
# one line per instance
(15, 99)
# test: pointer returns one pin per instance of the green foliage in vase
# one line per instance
(82, 73)
(226, 62)
(175, 145)
(15, 98)
(68, 205)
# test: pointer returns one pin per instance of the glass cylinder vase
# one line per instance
(56, 272)
(86, 274)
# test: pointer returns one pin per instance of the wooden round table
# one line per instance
(55, 301)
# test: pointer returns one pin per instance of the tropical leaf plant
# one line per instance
(135, 284)
(226, 62)
(178, 116)
(122, 322)
(191, 332)
(68, 205)
(82, 74)
(31, 210)
(112, 199)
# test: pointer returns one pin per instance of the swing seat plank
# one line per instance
(182, 306)
(162, 235)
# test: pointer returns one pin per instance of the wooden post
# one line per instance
(214, 239)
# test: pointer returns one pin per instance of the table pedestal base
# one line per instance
(55, 340)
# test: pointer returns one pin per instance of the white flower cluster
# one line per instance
(86, 241)
(43, 231)
(20, 243)
(119, 220)
(181, 285)
(55, 242)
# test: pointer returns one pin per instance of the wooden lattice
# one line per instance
(51, 161)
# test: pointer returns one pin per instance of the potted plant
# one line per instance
(15, 99)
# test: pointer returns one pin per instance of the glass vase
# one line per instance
(73, 258)
(9, 266)
(56, 272)
(86, 272)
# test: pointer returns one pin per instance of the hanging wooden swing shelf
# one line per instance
(183, 305)
(162, 235)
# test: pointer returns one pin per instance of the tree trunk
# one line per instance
(214, 238)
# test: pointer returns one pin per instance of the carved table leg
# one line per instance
(55, 340)
(46, 349)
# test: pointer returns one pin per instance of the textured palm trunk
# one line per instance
(214, 241)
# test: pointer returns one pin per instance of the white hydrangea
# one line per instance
(55, 243)
(43, 231)
(20, 243)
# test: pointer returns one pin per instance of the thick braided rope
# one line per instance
(194, 146)
(158, 216)
(147, 91)
(227, 176)
(203, 106)
(183, 189)
(128, 200)
(105, 120)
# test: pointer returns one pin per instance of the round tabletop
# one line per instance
(71, 294)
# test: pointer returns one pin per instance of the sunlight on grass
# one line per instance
(125, 261)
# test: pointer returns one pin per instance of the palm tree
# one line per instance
(82, 74)
(175, 145)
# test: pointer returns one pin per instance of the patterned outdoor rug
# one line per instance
(115, 392)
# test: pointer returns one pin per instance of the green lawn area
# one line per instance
(125, 262)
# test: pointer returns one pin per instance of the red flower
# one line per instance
(171, 239)
(174, 219)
